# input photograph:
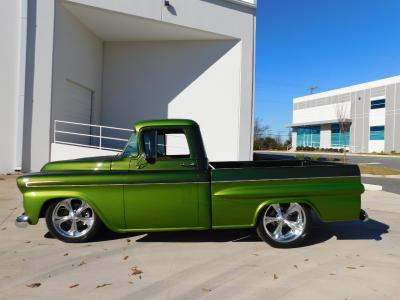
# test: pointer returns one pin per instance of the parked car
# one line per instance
(163, 181)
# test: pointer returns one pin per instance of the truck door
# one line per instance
(161, 189)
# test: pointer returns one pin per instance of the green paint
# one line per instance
(132, 194)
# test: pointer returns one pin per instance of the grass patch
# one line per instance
(378, 170)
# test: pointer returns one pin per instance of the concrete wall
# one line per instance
(9, 32)
(228, 71)
(78, 59)
(217, 16)
(199, 80)
(41, 91)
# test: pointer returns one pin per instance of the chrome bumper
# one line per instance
(363, 216)
(22, 221)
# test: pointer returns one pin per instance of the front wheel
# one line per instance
(284, 225)
(72, 220)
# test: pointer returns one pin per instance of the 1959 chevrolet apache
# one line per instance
(162, 181)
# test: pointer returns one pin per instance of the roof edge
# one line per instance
(349, 89)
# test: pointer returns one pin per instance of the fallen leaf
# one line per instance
(332, 274)
(362, 266)
(34, 285)
(275, 276)
(351, 268)
(206, 290)
(357, 254)
(126, 257)
(255, 254)
(102, 285)
(306, 259)
(130, 282)
(295, 266)
(128, 240)
(27, 242)
(66, 254)
(140, 276)
(81, 263)
(74, 285)
(4, 228)
(136, 271)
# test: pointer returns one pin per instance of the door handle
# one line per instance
(188, 165)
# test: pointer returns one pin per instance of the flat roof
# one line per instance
(349, 89)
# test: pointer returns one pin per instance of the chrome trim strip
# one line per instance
(112, 184)
(288, 178)
(29, 184)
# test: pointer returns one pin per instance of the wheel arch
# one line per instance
(262, 206)
(37, 203)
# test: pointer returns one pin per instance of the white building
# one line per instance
(116, 62)
(372, 109)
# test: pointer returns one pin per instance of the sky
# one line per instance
(324, 43)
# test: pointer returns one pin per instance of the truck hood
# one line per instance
(99, 163)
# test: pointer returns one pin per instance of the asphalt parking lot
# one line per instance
(343, 261)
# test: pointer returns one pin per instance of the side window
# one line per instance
(375, 104)
(149, 142)
(172, 144)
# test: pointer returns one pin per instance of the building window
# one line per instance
(375, 104)
(339, 139)
(308, 136)
(377, 133)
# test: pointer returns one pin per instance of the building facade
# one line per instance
(113, 63)
(370, 112)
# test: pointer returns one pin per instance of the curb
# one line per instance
(381, 176)
(372, 187)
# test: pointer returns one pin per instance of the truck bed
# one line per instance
(332, 189)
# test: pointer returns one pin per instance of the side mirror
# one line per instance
(144, 156)
(147, 157)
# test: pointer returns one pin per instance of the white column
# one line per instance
(325, 136)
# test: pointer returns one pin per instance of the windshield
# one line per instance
(131, 148)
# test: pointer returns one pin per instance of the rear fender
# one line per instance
(268, 202)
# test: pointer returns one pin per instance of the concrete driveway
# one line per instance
(351, 260)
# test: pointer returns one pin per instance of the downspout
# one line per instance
(21, 67)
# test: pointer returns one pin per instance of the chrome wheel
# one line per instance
(73, 218)
(284, 223)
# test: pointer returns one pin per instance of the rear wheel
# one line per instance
(72, 220)
(284, 225)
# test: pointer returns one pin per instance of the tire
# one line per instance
(72, 221)
(284, 225)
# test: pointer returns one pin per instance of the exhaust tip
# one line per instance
(363, 216)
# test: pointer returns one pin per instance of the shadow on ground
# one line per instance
(321, 232)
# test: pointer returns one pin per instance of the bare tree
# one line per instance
(259, 133)
(259, 129)
(344, 124)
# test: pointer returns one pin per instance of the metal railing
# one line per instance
(90, 137)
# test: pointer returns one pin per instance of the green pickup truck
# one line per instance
(163, 181)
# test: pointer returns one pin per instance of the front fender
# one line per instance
(110, 212)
